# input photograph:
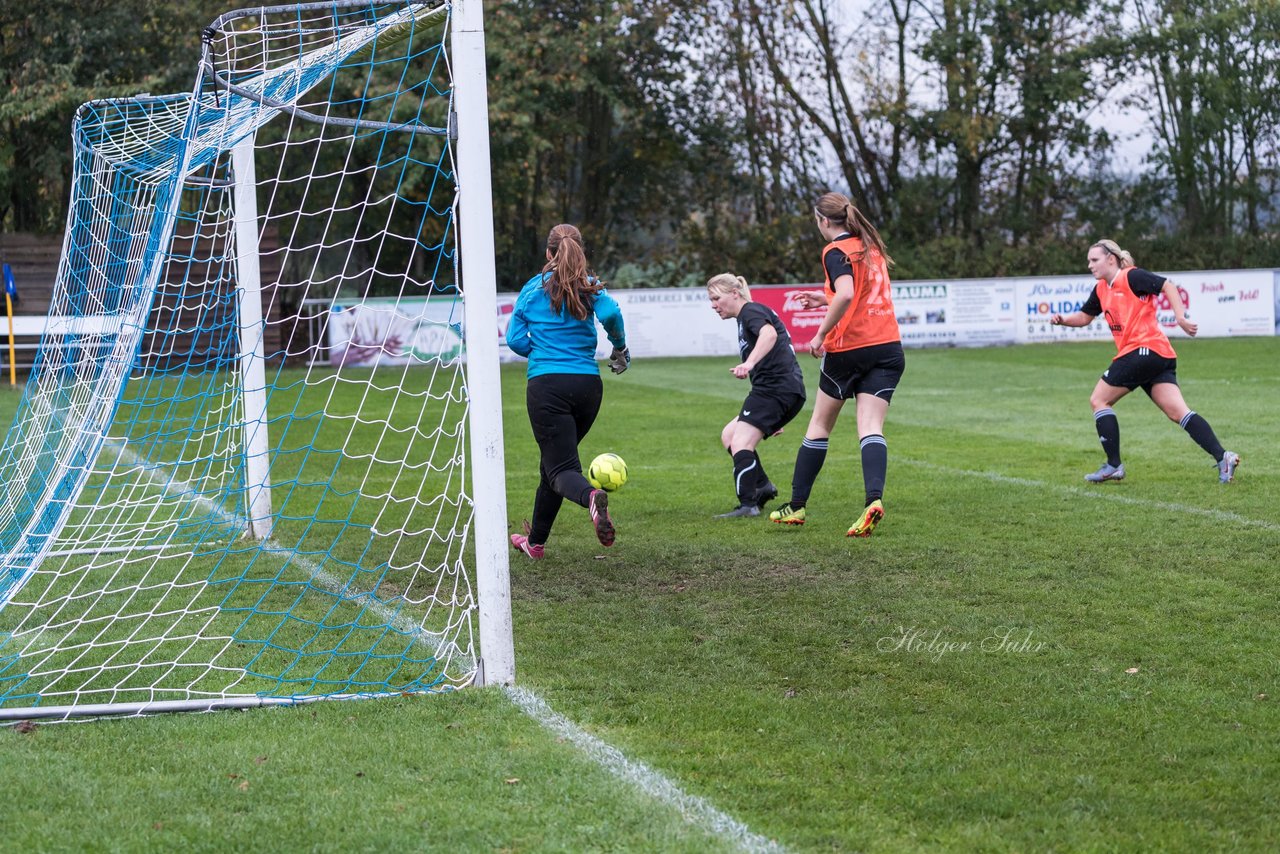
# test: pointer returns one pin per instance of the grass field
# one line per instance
(1014, 661)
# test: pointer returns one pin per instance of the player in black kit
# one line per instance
(777, 388)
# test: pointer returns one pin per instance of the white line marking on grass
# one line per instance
(1101, 493)
(695, 810)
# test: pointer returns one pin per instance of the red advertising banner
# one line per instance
(930, 313)
(801, 323)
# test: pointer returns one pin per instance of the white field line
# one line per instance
(693, 809)
(1102, 492)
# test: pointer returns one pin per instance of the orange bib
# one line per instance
(1132, 317)
(870, 318)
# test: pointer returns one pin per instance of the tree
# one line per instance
(1015, 78)
(819, 64)
(1216, 106)
(582, 100)
(1057, 78)
(56, 55)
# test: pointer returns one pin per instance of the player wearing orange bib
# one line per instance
(861, 351)
(1126, 296)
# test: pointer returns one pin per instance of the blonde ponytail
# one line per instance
(1113, 248)
(728, 283)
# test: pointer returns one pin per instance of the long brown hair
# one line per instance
(571, 282)
(837, 208)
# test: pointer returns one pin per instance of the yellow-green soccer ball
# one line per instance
(607, 472)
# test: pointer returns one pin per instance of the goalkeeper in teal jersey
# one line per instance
(554, 326)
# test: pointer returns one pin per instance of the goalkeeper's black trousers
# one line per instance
(562, 408)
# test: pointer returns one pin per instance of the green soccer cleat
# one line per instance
(788, 515)
(867, 521)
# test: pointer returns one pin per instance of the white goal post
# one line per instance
(497, 666)
(199, 516)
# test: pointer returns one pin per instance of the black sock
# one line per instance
(761, 477)
(1108, 434)
(809, 460)
(875, 462)
(746, 476)
(1203, 434)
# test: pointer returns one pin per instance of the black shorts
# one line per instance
(867, 370)
(1141, 368)
(770, 411)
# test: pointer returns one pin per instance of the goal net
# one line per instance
(240, 473)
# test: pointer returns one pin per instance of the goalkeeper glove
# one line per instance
(619, 359)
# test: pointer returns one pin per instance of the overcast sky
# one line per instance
(1133, 142)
